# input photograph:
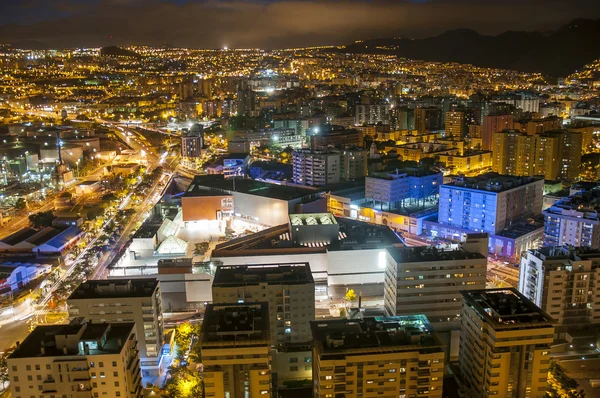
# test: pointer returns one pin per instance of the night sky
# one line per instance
(270, 24)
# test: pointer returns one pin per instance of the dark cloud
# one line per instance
(286, 23)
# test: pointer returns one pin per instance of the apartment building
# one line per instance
(490, 202)
(492, 124)
(353, 163)
(80, 359)
(555, 155)
(504, 345)
(428, 281)
(192, 142)
(574, 221)
(125, 300)
(456, 124)
(377, 357)
(236, 351)
(560, 280)
(428, 119)
(289, 288)
(372, 114)
(316, 168)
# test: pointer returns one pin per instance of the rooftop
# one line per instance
(19, 236)
(54, 337)
(493, 182)
(396, 333)
(506, 308)
(430, 253)
(112, 288)
(272, 274)
(217, 184)
(236, 324)
(64, 237)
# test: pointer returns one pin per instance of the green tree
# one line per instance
(42, 219)
(21, 203)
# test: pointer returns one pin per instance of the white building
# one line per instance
(77, 360)
(560, 280)
(316, 168)
(125, 300)
(288, 288)
(372, 114)
(424, 280)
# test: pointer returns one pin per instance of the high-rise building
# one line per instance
(555, 155)
(323, 137)
(504, 345)
(455, 124)
(353, 163)
(372, 114)
(560, 280)
(125, 300)
(316, 168)
(377, 357)
(80, 359)
(574, 221)
(288, 288)
(193, 142)
(428, 119)
(428, 281)
(236, 350)
(492, 124)
(490, 202)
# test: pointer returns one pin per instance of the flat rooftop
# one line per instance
(236, 324)
(587, 202)
(353, 235)
(397, 333)
(506, 308)
(115, 288)
(220, 185)
(492, 182)
(430, 253)
(116, 338)
(272, 274)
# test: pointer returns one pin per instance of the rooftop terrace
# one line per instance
(285, 274)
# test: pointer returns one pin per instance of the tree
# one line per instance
(560, 385)
(21, 204)
(42, 219)
(350, 295)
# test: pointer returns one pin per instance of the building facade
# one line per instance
(288, 288)
(504, 345)
(377, 357)
(316, 168)
(77, 360)
(236, 351)
(428, 281)
(125, 300)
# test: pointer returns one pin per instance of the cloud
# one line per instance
(268, 24)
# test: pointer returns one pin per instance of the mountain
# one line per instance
(556, 53)
(117, 52)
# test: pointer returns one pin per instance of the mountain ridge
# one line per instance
(556, 53)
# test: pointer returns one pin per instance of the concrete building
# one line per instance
(555, 154)
(377, 357)
(288, 288)
(394, 190)
(123, 301)
(193, 142)
(490, 202)
(353, 163)
(323, 137)
(428, 281)
(316, 168)
(560, 280)
(77, 360)
(236, 351)
(574, 221)
(455, 124)
(372, 114)
(504, 345)
(492, 124)
(428, 119)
